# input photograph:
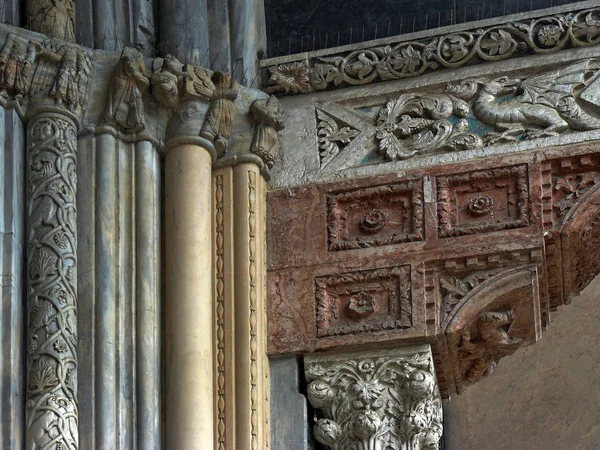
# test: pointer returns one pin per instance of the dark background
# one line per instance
(295, 26)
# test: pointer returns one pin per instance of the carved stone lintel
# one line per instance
(402, 59)
(379, 399)
(221, 112)
(54, 18)
(268, 120)
(125, 106)
(52, 284)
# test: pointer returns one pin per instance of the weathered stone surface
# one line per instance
(463, 256)
(550, 387)
(461, 115)
(289, 421)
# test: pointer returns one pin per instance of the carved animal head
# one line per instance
(502, 86)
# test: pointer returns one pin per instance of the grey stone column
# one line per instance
(376, 399)
(183, 30)
(12, 315)
(51, 409)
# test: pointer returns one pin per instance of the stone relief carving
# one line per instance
(221, 111)
(516, 109)
(165, 80)
(125, 107)
(375, 216)
(415, 124)
(67, 71)
(334, 135)
(480, 351)
(455, 288)
(483, 201)
(16, 61)
(375, 401)
(52, 285)
(268, 120)
(198, 83)
(365, 301)
(571, 188)
(54, 18)
(289, 78)
(541, 35)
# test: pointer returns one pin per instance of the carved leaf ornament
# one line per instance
(546, 34)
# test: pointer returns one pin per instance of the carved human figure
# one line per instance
(54, 18)
(165, 80)
(16, 60)
(268, 120)
(221, 112)
(69, 83)
(125, 107)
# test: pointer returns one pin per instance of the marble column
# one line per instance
(51, 409)
(375, 399)
(189, 358)
(12, 314)
(183, 30)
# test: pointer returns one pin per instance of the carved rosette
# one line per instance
(52, 285)
(376, 400)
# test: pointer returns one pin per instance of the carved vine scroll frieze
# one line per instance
(542, 35)
(377, 400)
(52, 285)
(125, 106)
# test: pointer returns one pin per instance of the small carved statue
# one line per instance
(69, 83)
(125, 107)
(199, 85)
(268, 117)
(168, 73)
(480, 355)
(16, 59)
(54, 18)
(221, 112)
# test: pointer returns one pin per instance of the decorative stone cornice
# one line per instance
(376, 399)
(445, 48)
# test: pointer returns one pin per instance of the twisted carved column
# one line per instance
(52, 283)
(376, 400)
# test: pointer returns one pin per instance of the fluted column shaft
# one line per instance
(51, 410)
(188, 304)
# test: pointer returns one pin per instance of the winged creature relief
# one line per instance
(66, 72)
(546, 105)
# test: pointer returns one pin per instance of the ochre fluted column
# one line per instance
(189, 363)
(251, 376)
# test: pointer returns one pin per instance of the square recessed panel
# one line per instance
(483, 201)
(365, 301)
(375, 216)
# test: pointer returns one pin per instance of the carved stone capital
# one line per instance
(376, 399)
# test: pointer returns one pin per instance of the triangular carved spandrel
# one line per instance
(334, 135)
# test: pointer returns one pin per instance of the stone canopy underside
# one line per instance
(456, 209)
